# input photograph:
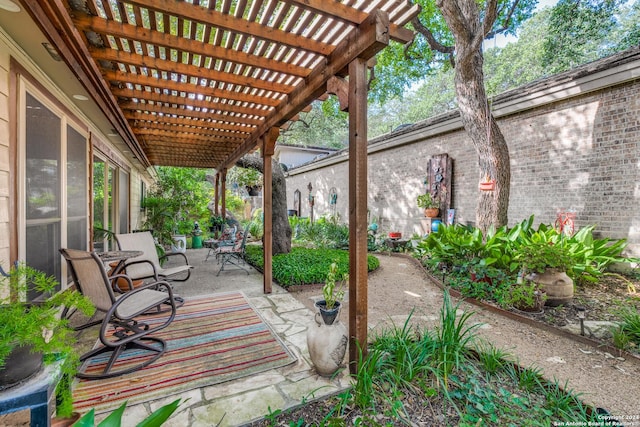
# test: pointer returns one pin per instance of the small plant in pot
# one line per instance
(429, 204)
(28, 328)
(547, 264)
(332, 292)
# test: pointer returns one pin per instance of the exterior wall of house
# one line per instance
(4, 158)
(573, 145)
(295, 156)
(9, 50)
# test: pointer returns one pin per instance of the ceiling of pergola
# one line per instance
(198, 83)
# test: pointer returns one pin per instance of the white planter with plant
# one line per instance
(327, 337)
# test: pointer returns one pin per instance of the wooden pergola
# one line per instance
(200, 83)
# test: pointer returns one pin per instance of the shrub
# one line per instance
(305, 266)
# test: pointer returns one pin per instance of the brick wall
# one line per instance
(574, 142)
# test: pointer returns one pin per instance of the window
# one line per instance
(54, 186)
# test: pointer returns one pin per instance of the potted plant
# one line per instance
(429, 204)
(546, 264)
(327, 338)
(332, 293)
(29, 328)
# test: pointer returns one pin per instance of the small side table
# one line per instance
(37, 395)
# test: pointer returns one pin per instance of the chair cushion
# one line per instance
(139, 303)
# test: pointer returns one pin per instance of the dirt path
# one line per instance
(400, 285)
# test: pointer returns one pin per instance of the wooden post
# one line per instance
(268, 148)
(217, 195)
(223, 194)
(357, 211)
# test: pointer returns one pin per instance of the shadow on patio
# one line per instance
(242, 400)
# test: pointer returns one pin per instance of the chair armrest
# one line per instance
(165, 256)
(114, 283)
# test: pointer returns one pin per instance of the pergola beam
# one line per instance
(368, 39)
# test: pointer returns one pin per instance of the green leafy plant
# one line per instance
(536, 257)
(426, 201)
(304, 266)
(40, 325)
(525, 296)
(157, 418)
(333, 292)
(627, 334)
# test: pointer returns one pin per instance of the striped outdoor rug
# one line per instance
(213, 339)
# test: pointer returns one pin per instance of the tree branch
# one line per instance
(431, 40)
(507, 21)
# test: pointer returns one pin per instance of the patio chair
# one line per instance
(148, 265)
(120, 330)
(228, 238)
(233, 255)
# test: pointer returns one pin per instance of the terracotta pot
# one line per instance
(487, 186)
(65, 421)
(431, 212)
(556, 284)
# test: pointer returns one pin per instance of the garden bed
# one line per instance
(602, 302)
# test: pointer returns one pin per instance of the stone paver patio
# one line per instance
(240, 401)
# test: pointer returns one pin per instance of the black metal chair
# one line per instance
(234, 255)
(122, 313)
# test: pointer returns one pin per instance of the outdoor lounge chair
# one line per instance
(233, 254)
(148, 264)
(120, 331)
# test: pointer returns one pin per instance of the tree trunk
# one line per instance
(281, 228)
(492, 149)
(469, 30)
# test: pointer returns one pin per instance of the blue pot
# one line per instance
(435, 224)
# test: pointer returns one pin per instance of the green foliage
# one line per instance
(40, 325)
(305, 266)
(324, 126)
(536, 257)
(325, 232)
(330, 293)
(627, 333)
(243, 177)
(576, 31)
(178, 199)
(399, 66)
(157, 418)
(461, 248)
(524, 296)
(425, 201)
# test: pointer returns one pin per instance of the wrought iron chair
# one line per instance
(148, 264)
(234, 255)
(121, 328)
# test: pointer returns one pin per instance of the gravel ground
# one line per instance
(401, 285)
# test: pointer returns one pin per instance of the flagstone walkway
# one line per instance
(237, 402)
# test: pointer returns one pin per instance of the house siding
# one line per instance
(576, 148)
(8, 51)
(4, 156)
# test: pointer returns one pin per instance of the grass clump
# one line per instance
(305, 266)
(441, 377)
